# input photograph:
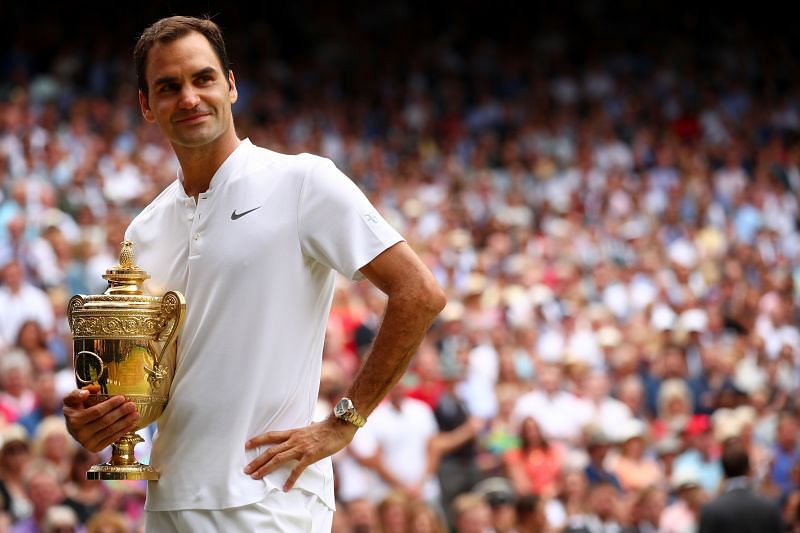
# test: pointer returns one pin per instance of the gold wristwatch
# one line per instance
(345, 410)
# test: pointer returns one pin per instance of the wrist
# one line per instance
(346, 411)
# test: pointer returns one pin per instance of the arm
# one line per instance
(375, 463)
(447, 441)
(415, 299)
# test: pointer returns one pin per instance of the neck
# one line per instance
(199, 164)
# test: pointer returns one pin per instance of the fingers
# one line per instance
(114, 432)
(75, 398)
(271, 437)
(102, 424)
(270, 460)
(296, 471)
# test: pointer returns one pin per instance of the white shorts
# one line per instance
(293, 511)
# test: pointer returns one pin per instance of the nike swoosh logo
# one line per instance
(236, 216)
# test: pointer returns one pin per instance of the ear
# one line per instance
(234, 94)
(144, 105)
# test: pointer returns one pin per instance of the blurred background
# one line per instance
(608, 193)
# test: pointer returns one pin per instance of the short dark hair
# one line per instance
(170, 29)
(735, 460)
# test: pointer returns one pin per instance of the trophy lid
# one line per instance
(125, 278)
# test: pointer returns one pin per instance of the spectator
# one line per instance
(424, 519)
(530, 515)
(647, 509)
(785, 453)
(701, 455)
(404, 429)
(107, 522)
(634, 468)
(42, 487)
(683, 513)
(20, 301)
(54, 445)
(737, 509)
(457, 442)
(500, 496)
(14, 456)
(472, 514)
(560, 413)
(597, 446)
(16, 399)
(33, 341)
(47, 402)
(60, 519)
(82, 495)
(603, 512)
(393, 513)
(534, 467)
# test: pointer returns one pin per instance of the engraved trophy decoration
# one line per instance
(124, 343)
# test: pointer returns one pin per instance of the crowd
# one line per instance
(617, 235)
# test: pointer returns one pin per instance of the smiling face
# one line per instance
(189, 96)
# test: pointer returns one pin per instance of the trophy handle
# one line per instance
(173, 311)
(75, 303)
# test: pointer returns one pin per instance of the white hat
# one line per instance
(454, 310)
(59, 516)
(684, 478)
(540, 294)
(694, 320)
(631, 429)
(683, 253)
(609, 336)
(663, 317)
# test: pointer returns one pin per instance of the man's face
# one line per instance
(189, 97)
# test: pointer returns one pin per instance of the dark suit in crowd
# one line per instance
(739, 509)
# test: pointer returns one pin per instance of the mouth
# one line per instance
(193, 119)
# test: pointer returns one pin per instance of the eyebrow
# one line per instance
(171, 79)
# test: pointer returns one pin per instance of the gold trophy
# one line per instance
(124, 343)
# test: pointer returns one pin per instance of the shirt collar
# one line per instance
(735, 483)
(225, 169)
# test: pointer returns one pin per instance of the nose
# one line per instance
(188, 97)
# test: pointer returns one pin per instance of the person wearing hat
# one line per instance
(456, 444)
(60, 519)
(634, 469)
(597, 446)
(687, 499)
(646, 512)
(14, 456)
(499, 494)
(702, 453)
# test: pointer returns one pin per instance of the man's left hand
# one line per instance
(305, 445)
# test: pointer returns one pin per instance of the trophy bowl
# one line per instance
(125, 343)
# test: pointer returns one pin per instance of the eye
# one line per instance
(168, 87)
(204, 79)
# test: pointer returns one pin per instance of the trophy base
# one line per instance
(123, 463)
(136, 471)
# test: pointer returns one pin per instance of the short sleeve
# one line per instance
(337, 224)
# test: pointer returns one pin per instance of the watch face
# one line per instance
(342, 407)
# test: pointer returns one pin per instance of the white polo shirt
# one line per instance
(255, 258)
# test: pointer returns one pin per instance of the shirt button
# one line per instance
(191, 216)
(196, 236)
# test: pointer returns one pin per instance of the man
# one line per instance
(403, 430)
(738, 509)
(785, 452)
(21, 301)
(560, 414)
(44, 491)
(253, 239)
